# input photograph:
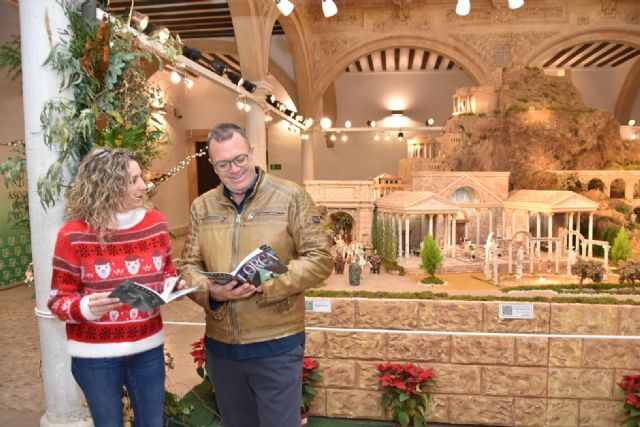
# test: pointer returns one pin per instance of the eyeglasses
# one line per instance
(239, 160)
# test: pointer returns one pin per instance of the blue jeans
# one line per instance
(101, 380)
(264, 392)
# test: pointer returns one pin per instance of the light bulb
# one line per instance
(175, 77)
(463, 7)
(188, 82)
(631, 122)
(325, 123)
(247, 107)
(344, 138)
(515, 4)
(347, 124)
(376, 137)
(284, 6)
(329, 8)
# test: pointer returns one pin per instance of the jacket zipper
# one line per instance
(252, 215)
(234, 258)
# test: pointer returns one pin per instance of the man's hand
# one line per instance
(230, 291)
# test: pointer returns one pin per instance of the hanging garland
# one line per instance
(113, 101)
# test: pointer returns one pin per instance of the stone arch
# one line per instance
(616, 190)
(628, 92)
(479, 72)
(464, 195)
(630, 36)
(596, 184)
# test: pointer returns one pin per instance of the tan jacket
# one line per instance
(278, 213)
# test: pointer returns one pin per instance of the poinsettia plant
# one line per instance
(406, 392)
(310, 377)
(631, 387)
(199, 357)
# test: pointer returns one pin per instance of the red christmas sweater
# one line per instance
(140, 249)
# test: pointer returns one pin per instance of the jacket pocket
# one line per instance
(286, 304)
(212, 218)
(271, 215)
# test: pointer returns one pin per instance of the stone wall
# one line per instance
(560, 368)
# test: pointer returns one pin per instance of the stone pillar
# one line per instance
(570, 236)
(578, 240)
(477, 227)
(431, 225)
(504, 223)
(40, 23)
(490, 221)
(446, 237)
(538, 232)
(513, 223)
(606, 261)
(423, 226)
(590, 234)
(407, 250)
(399, 222)
(256, 127)
(453, 236)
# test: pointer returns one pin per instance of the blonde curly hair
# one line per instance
(99, 190)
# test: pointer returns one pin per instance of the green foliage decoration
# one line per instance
(629, 272)
(621, 249)
(102, 64)
(430, 255)
(341, 224)
(13, 171)
(10, 58)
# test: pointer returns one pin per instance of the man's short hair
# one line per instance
(224, 132)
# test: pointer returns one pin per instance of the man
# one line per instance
(254, 335)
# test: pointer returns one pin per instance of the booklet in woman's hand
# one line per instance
(256, 268)
(143, 298)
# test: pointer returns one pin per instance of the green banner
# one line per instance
(15, 246)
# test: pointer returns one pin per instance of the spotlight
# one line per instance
(175, 77)
(430, 122)
(631, 122)
(271, 99)
(191, 53)
(235, 78)
(371, 123)
(282, 107)
(387, 137)
(154, 30)
(218, 67)
(325, 123)
(400, 136)
(247, 107)
(515, 4)
(284, 6)
(329, 8)
(139, 20)
(332, 137)
(240, 102)
(344, 138)
(299, 118)
(308, 122)
(463, 7)
(249, 86)
(347, 124)
(268, 117)
(376, 137)
(397, 112)
(188, 82)
(304, 136)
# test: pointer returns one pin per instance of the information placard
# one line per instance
(318, 306)
(516, 311)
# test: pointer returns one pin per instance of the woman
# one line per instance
(112, 235)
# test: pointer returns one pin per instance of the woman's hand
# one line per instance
(100, 303)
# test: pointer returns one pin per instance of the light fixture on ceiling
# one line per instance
(333, 137)
(308, 122)
(463, 7)
(387, 137)
(347, 124)
(344, 137)
(218, 67)
(249, 86)
(515, 4)
(268, 117)
(284, 6)
(400, 136)
(376, 137)
(175, 77)
(235, 78)
(371, 123)
(430, 121)
(631, 122)
(139, 20)
(187, 82)
(397, 112)
(329, 8)
(192, 53)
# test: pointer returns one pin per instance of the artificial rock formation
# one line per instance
(540, 124)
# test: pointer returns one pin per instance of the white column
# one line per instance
(453, 236)
(423, 226)
(582, 250)
(40, 23)
(431, 225)
(550, 236)
(399, 222)
(490, 220)
(538, 231)
(256, 127)
(513, 223)
(504, 223)
(407, 252)
(446, 223)
(590, 234)
(478, 211)
(570, 228)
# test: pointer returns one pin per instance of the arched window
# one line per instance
(463, 195)
(596, 184)
(617, 189)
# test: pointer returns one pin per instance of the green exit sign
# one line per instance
(275, 166)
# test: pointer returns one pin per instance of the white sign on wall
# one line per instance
(516, 311)
(318, 306)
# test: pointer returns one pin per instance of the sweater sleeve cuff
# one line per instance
(84, 309)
